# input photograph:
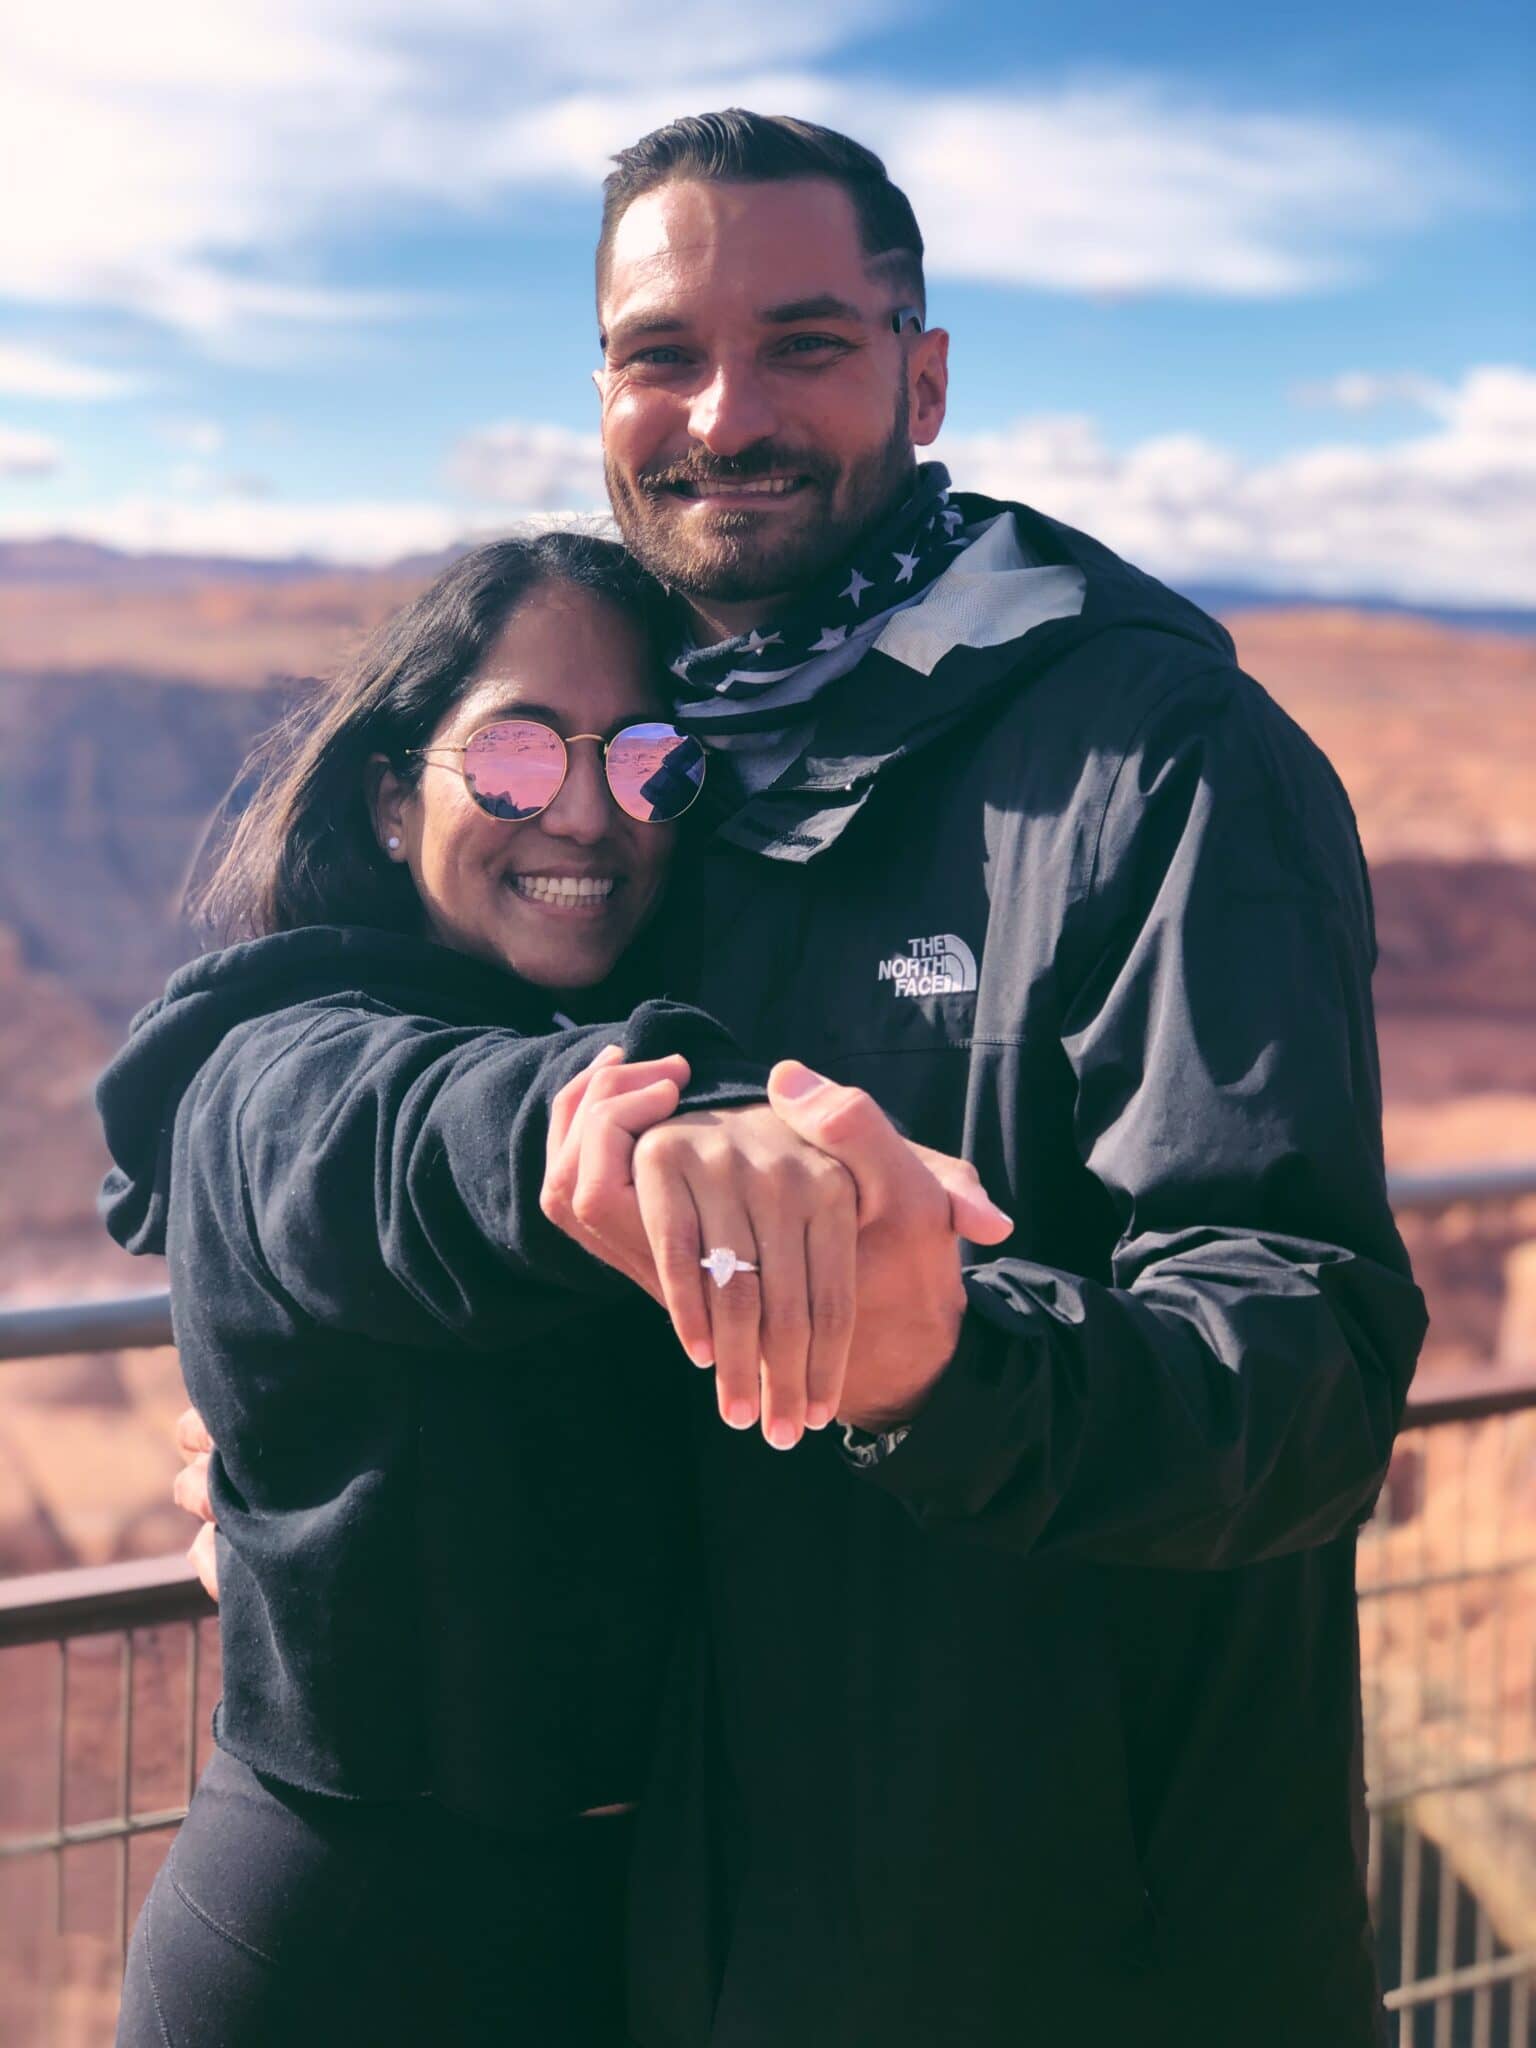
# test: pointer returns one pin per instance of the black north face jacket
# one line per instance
(1043, 1731)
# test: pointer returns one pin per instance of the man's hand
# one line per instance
(651, 1194)
(913, 1207)
(190, 1492)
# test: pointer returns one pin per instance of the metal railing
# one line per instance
(108, 1678)
(131, 1603)
(133, 1322)
(1447, 1602)
(1448, 1632)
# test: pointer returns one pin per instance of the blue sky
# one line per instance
(1248, 293)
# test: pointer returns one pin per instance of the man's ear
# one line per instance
(928, 385)
(389, 805)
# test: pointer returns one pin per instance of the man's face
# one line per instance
(759, 413)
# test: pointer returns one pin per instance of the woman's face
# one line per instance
(508, 892)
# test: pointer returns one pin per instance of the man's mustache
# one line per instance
(764, 460)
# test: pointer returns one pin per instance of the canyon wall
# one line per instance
(130, 695)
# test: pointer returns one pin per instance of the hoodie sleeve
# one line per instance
(383, 1170)
(1229, 1389)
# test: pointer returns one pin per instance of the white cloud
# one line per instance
(1447, 516)
(512, 472)
(178, 157)
(365, 531)
(1111, 189)
(199, 152)
(615, 42)
(1368, 390)
(201, 477)
(26, 454)
(39, 373)
(200, 438)
(1131, 188)
(517, 463)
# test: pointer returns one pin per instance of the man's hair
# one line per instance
(738, 147)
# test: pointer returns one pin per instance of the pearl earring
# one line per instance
(392, 841)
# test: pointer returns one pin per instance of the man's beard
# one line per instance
(741, 557)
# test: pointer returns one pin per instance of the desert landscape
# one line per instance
(130, 691)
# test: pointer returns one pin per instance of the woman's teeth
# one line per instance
(564, 889)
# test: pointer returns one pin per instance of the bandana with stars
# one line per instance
(754, 683)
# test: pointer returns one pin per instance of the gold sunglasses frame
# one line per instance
(567, 741)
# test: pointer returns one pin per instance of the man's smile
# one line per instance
(736, 490)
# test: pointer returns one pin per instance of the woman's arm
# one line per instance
(372, 1162)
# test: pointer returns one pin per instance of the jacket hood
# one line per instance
(172, 1039)
(1027, 591)
(1116, 592)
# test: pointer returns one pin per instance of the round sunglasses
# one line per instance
(517, 767)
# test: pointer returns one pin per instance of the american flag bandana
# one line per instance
(749, 683)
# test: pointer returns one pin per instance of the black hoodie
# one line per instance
(449, 1513)
(1044, 1729)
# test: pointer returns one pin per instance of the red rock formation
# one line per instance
(135, 688)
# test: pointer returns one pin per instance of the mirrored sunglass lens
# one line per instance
(514, 770)
(655, 772)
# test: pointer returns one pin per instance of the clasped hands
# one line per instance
(855, 1308)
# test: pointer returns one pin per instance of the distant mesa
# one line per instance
(62, 559)
(65, 559)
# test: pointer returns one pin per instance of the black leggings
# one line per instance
(280, 1919)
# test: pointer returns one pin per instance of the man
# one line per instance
(1031, 1716)
(1027, 1711)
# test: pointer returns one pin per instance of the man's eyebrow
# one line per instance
(819, 306)
(638, 328)
(822, 306)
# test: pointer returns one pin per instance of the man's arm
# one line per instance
(1230, 1391)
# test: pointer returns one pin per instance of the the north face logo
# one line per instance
(940, 966)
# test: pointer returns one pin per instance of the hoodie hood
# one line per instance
(172, 1039)
(1027, 592)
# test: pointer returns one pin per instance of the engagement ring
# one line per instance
(722, 1265)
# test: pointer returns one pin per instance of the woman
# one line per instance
(439, 1677)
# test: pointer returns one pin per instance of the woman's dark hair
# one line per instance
(304, 849)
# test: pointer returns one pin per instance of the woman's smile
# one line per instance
(568, 895)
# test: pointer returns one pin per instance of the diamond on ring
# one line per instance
(722, 1265)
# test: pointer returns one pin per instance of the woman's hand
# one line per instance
(741, 1180)
(650, 1193)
